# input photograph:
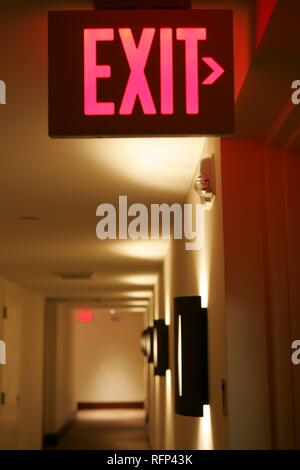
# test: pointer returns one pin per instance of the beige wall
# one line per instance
(152, 405)
(59, 402)
(65, 398)
(21, 378)
(196, 273)
(32, 372)
(108, 361)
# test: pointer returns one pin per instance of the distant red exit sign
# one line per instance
(140, 73)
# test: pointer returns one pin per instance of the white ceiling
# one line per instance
(63, 181)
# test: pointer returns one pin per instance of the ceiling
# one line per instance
(61, 182)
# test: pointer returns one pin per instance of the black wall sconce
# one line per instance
(147, 343)
(191, 358)
(144, 342)
(161, 347)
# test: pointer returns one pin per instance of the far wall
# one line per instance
(108, 360)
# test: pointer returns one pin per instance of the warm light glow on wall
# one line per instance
(149, 249)
(168, 313)
(204, 288)
(168, 385)
(202, 267)
(136, 294)
(169, 426)
(157, 406)
(138, 279)
(205, 430)
(157, 163)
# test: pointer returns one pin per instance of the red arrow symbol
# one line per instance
(217, 70)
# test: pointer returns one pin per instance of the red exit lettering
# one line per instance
(137, 56)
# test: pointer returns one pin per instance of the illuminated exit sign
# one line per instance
(140, 73)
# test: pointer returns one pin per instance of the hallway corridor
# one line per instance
(150, 230)
(106, 430)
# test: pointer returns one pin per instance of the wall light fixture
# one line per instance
(147, 343)
(191, 358)
(161, 347)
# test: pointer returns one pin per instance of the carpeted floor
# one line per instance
(106, 430)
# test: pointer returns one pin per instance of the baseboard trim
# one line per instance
(53, 439)
(110, 405)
